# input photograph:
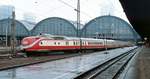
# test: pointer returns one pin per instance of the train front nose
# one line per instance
(25, 42)
(28, 40)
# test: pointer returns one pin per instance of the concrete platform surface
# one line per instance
(139, 66)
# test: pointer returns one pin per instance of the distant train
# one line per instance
(47, 43)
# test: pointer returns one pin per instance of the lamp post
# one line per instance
(105, 43)
(105, 37)
(6, 32)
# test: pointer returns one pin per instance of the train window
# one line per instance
(100, 43)
(86, 43)
(58, 38)
(74, 43)
(55, 43)
(83, 43)
(67, 43)
(41, 43)
(58, 43)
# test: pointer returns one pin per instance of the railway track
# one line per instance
(67, 68)
(110, 69)
(21, 61)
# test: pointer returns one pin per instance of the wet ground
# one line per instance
(144, 63)
(6, 63)
(139, 67)
(62, 69)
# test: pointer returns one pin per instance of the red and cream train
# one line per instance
(47, 42)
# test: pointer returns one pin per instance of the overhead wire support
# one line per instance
(75, 8)
(66, 4)
(78, 24)
(78, 19)
(13, 36)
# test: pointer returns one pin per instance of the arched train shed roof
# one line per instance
(5, 28)
(55, 26)
(109, 27)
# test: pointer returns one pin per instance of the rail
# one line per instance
(103, 70)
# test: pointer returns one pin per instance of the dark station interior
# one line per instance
(138, 13)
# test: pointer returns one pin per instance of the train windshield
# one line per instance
(45, 35)
(55, 37)
(58, 38)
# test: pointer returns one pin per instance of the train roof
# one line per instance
(60, 37)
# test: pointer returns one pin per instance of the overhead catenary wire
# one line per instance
(66, 4)
(54, 9)
(74, 8)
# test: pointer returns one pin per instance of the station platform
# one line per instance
(139, 66)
